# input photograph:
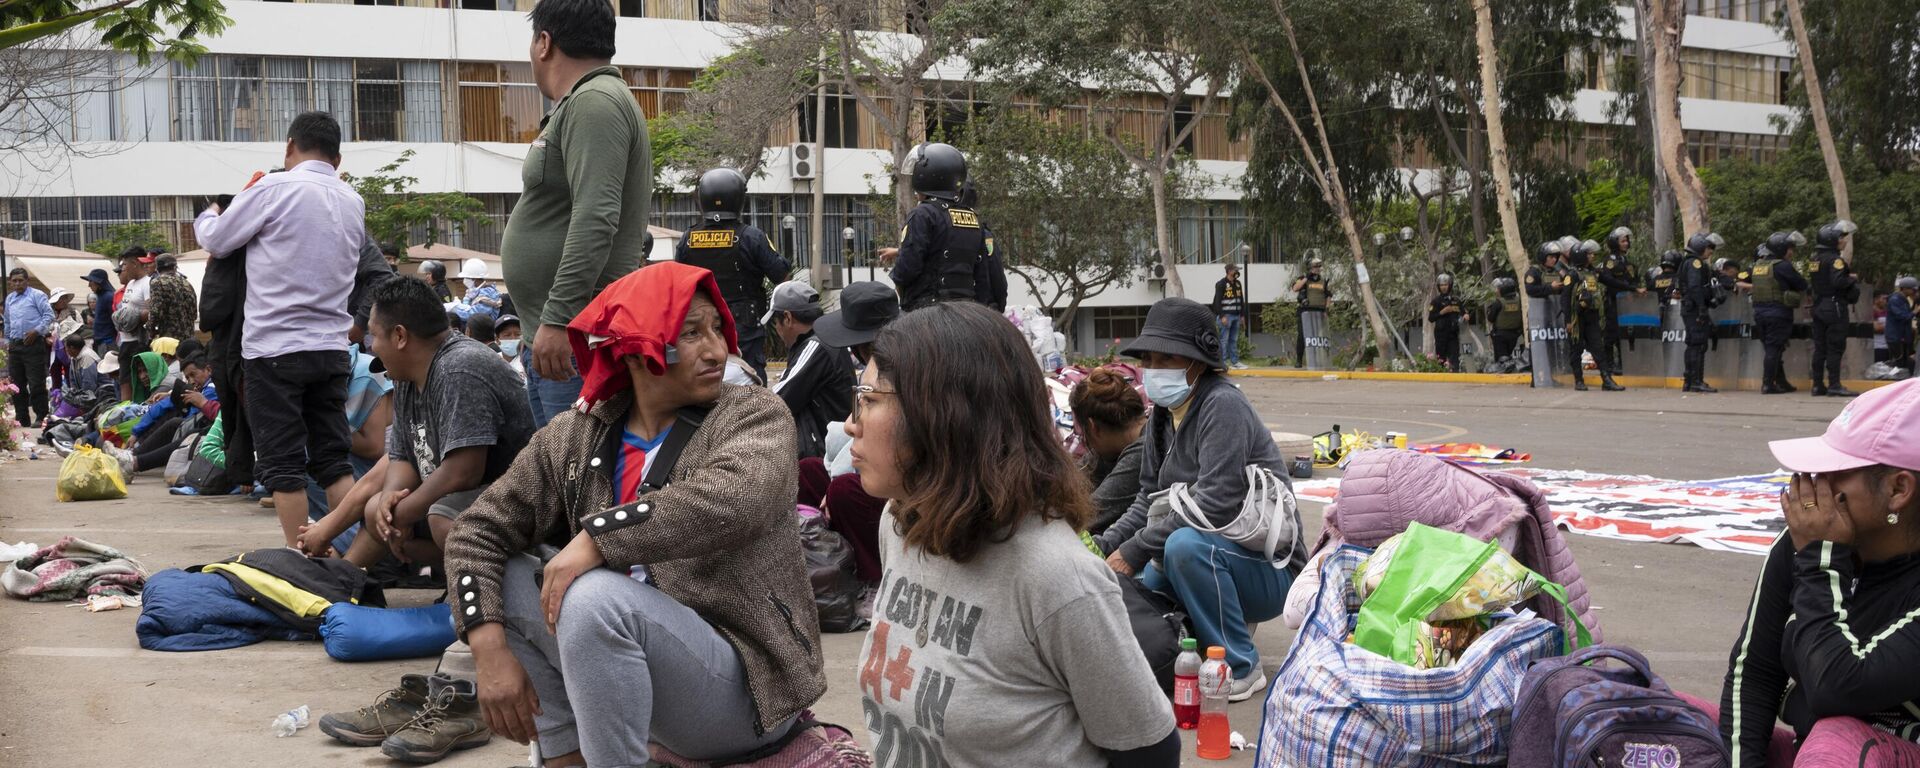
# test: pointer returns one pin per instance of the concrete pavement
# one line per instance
(81, 692)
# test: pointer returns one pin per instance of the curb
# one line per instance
(1516, 379)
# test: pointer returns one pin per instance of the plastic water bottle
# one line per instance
(290, 721)
(1216, 681)
(1186, 686)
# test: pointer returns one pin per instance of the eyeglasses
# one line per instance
(862, 389)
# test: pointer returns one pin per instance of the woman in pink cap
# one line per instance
(1831, 646)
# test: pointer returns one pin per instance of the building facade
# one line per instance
(449, 82)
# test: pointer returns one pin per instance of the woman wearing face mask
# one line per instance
(506, 331)
(1831, 646)
(984, 511)
(1204, 433)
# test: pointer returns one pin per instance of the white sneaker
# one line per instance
(1239, 366)
(1245, 687)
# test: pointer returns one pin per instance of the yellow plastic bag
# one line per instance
(89, 474)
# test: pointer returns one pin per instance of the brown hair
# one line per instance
(981, 453)
(1108, 399)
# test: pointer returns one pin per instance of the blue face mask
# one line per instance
(510, 347)
(1167, 387)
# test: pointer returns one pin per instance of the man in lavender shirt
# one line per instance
(303, 231)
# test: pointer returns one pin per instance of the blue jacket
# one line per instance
(161, 409)
(104, 334)
(1899, 317)
(182, 611)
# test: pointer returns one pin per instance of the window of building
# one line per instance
(1118, 322)
(659, 91)
(499, 102)
(843, 121)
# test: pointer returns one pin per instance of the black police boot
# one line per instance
(1607, 383)
(1840, 391)
(1819, 389)
(1771, 388)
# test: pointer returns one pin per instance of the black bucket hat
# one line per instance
(1183, 327)
(865, 308)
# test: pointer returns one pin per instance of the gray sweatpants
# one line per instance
(640, 665)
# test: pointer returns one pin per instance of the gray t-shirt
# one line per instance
(472, 398)
(1021, 657)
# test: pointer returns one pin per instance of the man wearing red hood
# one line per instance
(678, 602)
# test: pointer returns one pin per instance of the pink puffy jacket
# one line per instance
(1383, 491)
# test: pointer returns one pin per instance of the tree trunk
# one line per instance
(1162, 238)
(1665, 23)
(1817, 105)
(1476, 182)
(1497, 139)
(1664, 206)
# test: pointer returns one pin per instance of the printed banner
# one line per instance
(1732, 514)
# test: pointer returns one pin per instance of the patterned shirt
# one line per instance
(174, 308)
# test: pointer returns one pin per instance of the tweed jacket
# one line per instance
(722, 539)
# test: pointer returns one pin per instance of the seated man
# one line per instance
(679, 608)
(818, 381)
(458, 422)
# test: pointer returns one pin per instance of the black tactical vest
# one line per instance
(718, 249)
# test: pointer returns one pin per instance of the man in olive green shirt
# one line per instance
(588, 179)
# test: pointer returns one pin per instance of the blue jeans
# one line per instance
(547, 398)
(1222, 586)
(1230, 339)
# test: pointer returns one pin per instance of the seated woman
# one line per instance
(679, 606)
(1204, 433)
(1110, 417)
(1830, 646)
(1039, 663)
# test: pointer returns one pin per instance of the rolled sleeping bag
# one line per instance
(360, 633)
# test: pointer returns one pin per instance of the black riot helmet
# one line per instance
(969, 195)
(1582, 254)
(1444, 280)
(1699, 244)
(1670, 261)
(1831, 234)
(1779, 244)
(1505, 286)
(1619, 239)
(1548, 250)
(938, 171)
(722, 193)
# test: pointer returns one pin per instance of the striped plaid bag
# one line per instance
(1337, 705)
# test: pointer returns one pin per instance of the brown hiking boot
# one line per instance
(368, 726)
(451, 721)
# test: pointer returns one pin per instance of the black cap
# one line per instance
(99, 277)
(1177, 326)
(865, 308)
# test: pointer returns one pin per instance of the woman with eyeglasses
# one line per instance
(997, 638)
(1831, 646)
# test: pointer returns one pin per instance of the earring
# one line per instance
(1893, 518)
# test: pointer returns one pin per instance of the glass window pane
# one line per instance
(421, 102)
(376, 69)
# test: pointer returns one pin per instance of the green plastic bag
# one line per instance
(89, 474)
(1429, 569)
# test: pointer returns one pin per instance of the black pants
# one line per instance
(1589, 335)
(1446, 345)
(228, 382)
(1699, 325)
(1900, 353)
(1829, 342)
(298, 405)
(1773, 323)
(1299, 340)
(156, 444)
(1503, 344)
(27, 367)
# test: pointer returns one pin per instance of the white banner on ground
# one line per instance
(1733, 514)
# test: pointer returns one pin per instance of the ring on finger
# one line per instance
(1809, 505)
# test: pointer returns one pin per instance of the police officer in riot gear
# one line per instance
(1544, 277)
(739, 255)
(1664, 281)
(1616, 273)
(1310, 294)
(1834, 290)
(1697, 298)
(996, 295)
(1777, 288)
(1444, 312)
(1587, 311)
(1504, 320)
(943, 250)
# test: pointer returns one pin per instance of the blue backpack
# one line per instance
(1572, 712)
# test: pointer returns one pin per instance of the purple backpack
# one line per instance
(1573, 712)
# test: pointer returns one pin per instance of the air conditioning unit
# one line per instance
(803, 161)
(1157, 273)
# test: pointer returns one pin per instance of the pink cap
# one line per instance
(1879, 427)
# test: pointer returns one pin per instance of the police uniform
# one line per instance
(1505, 318)
(1587, 311)
(996, 295)
(1617, 275)
(743, 261)
(1696, 286)
(1776, 291)
(1313, 296)
(1834, 289)
(1446, 327)
(943, 256)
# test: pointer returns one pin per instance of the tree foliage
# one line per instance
(1071, 210)
(171, 28)
(119, 237)
(394, 211)
(1793, 193)
(1868, 55)
(734, 103)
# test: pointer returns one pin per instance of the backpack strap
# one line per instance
(689, 421)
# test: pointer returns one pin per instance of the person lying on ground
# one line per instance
(678, 610)
(1204, 433)
(1830, 646)
(1110, 416)
(458, 423)
(986, 509)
